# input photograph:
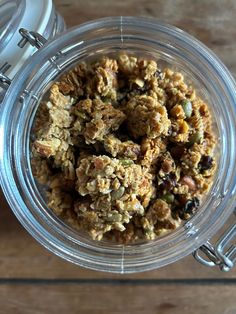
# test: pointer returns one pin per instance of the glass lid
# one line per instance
(11, 13)
(37, 16)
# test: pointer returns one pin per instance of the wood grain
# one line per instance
(33, 280)
(117, 298)
(211, 21)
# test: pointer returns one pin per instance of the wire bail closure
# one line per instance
(219, 255)
(35, 39)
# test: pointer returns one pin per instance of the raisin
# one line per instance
(205, 163)
(188, 209)
(177, 151)
(168, 182)
(191, 205)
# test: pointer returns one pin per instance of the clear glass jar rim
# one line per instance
(54, 240)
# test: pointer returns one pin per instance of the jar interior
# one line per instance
(164, 59)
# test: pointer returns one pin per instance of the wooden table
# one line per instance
(32, 280)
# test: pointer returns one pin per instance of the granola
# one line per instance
(126, 149)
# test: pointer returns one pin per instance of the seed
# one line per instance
(168, 197)
(126, 162)
(80, 114)
(195, 138)
(174, 91)
(117, 194)
(114, 217)
(187, 106)
(139, 82)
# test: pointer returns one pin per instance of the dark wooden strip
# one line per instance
(87, 299)
(120, 281)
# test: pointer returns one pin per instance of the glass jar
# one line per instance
(146, 37)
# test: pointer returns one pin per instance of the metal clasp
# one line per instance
(219, 255)
(35, 39)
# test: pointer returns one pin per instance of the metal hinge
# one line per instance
(35, 39)
(5, 81)
(222, 254)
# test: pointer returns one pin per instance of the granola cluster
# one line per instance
(125, 148)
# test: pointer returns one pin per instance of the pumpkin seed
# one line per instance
(168, 197)
(195, 138)
(117, 194)
(114, 217)
(80, 114)
(126, 162)
(187, 107)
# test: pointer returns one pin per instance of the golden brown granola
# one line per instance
(126, 149)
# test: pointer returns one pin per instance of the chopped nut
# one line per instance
(189, 182)
(47, 148)
(178, 112)
(167, 166)
(127, 149)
